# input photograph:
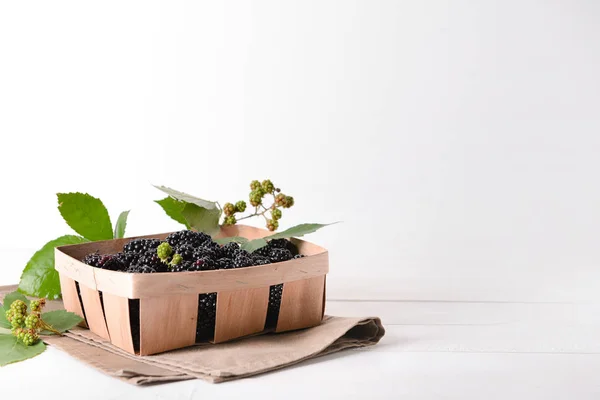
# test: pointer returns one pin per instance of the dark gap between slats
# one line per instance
(80, 301)
(134, 322)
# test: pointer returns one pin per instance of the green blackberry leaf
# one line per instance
(39, 278)
(209, 205)
(173, 208)
(237, 239)
(297, 231)
(60, 320)
(3, 321)
(9, 298)
(254, 245)
(86, 215)
(121, 225)
(12, 351)
(202, 219)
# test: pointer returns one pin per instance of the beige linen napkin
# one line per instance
(222, 362)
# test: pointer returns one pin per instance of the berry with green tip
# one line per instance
(267, 186)
(164, 251)
(229, 209)
(240, 206)
(276, 214)
(32, 321)
(272, 224)
(254, 185)
(177, 259)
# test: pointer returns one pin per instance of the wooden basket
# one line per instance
(168, 302)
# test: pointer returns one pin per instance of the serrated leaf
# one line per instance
(254, 245)
(202, 219)
(39, 278)
(209, 205)
(86, 215)
(9, 298)
(12, 351)
(121, 225)
(237, 239)
(173, 208)
(297, 231)
(3, 321)
(60, 320)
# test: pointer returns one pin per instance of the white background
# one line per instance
(458, 142)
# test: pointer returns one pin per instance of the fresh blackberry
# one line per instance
(224, 263)
(275, 293)
(182, 267)
(260, 260)
(127, 259)
(284, 244)
(207, 312)
(92, 259)
(186, 251)
(298, 256)
(192, 238)
(150, 259)
(112, 263)
(202, 251)
(141, 245)
(263, 251)
(279, 255)
(229, 249)
(241, 261)
(203, 264)
(140, 269)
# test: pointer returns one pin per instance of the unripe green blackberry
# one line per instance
(267, 186)
(229, 209)
(255, 198)
(289, 201)
(240, 206)
(272, 224)
(19, 306)
(32, 321)
(30, 338)
(164, 251)
(280, 199)
(36, 305)
(230, 220)
(276, 214)
(177, 259)
(254, 185)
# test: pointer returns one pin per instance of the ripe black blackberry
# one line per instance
(229, 249)
(298, 256)
(260, 260)
(112, 263)
(182, 267)
(186, 251)
(150, 259)
(92, 259)
(141, 245)
(275, 293)
(242, 260)
(140, 269)
(192, 238)
(283, 244)
(204, 264)
(202, 251)
(279, 255)
(224, 263)
(127, 259)
(207, 312)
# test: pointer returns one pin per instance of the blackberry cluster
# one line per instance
(189, 251)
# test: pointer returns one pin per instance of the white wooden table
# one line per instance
(432, 350)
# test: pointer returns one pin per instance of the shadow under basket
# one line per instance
(151, 313)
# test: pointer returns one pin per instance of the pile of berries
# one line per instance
(189, 251)
(27, 326)
(258, 191)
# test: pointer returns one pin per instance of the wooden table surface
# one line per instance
(432, 350)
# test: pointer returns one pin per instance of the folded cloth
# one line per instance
(217, 363)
